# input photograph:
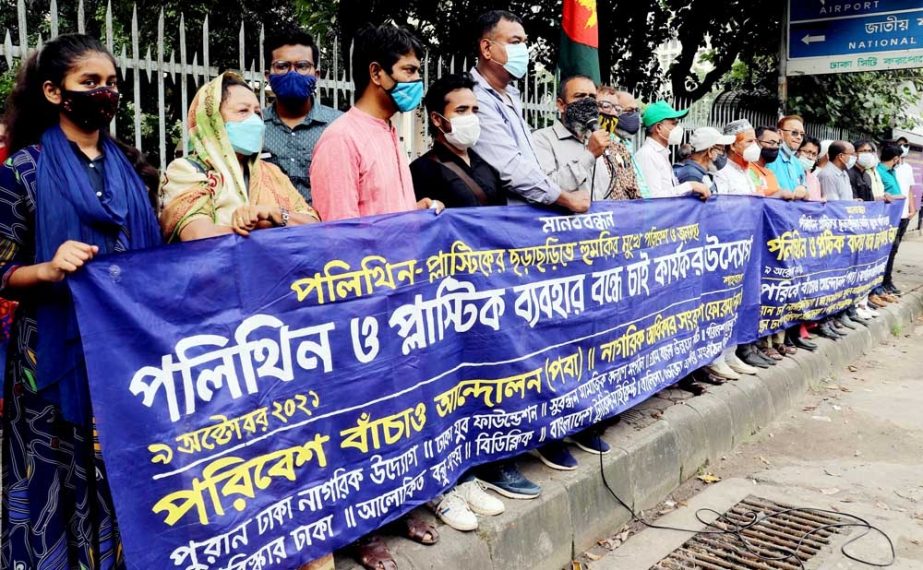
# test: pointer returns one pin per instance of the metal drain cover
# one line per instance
(771, 538)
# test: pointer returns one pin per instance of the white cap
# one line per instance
(738, 126)
(707, 137)
(824, 147)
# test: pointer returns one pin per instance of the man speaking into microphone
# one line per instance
(574, 152)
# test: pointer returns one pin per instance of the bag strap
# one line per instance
(465, 178)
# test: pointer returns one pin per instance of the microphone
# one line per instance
(593, 124)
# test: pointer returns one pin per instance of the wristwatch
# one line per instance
(283, 213)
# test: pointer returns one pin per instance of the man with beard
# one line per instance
(574, 151)
(295, 121)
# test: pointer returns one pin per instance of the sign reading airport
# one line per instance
(842, 36)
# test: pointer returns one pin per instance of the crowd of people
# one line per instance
(72, 192)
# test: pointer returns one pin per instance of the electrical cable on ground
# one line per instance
(756, 518)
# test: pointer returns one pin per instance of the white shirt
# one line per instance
(904, 174)
(734, 179)
(654, 161)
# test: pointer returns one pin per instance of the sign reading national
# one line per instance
(841, 36)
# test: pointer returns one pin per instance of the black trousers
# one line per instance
(901, 229)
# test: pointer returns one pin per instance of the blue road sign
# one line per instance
(857, 35)
(831, 9)
(836, 36)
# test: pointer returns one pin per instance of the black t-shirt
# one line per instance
(861, 184)
(435, 181)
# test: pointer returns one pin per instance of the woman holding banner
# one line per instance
(70, 192)
(224, 186)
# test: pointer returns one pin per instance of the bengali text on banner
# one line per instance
(263, 401)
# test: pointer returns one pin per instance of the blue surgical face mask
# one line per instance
(517, 60)
(407, 95)
(246, 136)
(293, 87)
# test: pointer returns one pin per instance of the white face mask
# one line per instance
(850, 162)
(867, 160)
(905, 149)
(752, 153)
(676, 135)
(466, 130)
(807, 163)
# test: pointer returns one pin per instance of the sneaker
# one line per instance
(590, 442)
(479, 501)
(739, 366)
(506, 478)
(454, 511)
(720, 368)
(864, 313)
(555, 454)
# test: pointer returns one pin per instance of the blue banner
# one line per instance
(820, 259)
(264, 401)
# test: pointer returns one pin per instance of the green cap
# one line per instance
(660, 111)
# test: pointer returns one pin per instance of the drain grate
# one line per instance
(771, 538)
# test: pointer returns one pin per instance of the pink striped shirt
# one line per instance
(360, 169)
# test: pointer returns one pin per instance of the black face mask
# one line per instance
(90, 110)
(580, 116)
(630, 122)
(769, 154)
(721, 161)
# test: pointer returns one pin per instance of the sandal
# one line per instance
(418, 530)
(373, 554)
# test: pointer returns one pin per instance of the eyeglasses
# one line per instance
(808, 154)
(794, 133)
(303, 67)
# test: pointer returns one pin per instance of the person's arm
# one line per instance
(519, 173)
(335, 178)
(188, 203)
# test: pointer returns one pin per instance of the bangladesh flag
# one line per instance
(579, 40)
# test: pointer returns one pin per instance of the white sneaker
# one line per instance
(454, 511)
(720, 368)
(864, 313)
(479, 500)
(739, 366)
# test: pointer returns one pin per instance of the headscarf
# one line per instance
(211, 181)
(67, 208)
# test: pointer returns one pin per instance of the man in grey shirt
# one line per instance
(506, 141)
(834, 177)
(572, 155)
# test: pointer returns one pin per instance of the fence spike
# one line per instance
(53, 17)
(81, 18)
(8, 49)
(241, 39)
(184, 82)
(205, 62)
(23, 33)
(136, 56)
(109, 35)
(336, 74)
(352, 72)
(161, 105)
(260, 57)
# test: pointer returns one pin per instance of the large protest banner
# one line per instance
(820, 259)
(263, 401)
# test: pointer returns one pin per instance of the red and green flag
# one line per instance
(579, 52)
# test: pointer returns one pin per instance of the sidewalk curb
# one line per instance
(575, 509)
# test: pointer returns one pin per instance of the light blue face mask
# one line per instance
(246, 136)
(517, 60)
(407, 95)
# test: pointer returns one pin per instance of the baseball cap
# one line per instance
(661, 111)
(707, 137)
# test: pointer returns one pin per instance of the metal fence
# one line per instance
(177, 68)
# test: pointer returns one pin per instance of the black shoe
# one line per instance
(826, 330)
(690, 385)
(746, 353)
(706, 377)
(846, 322)
(890, 288)
(805, 344)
